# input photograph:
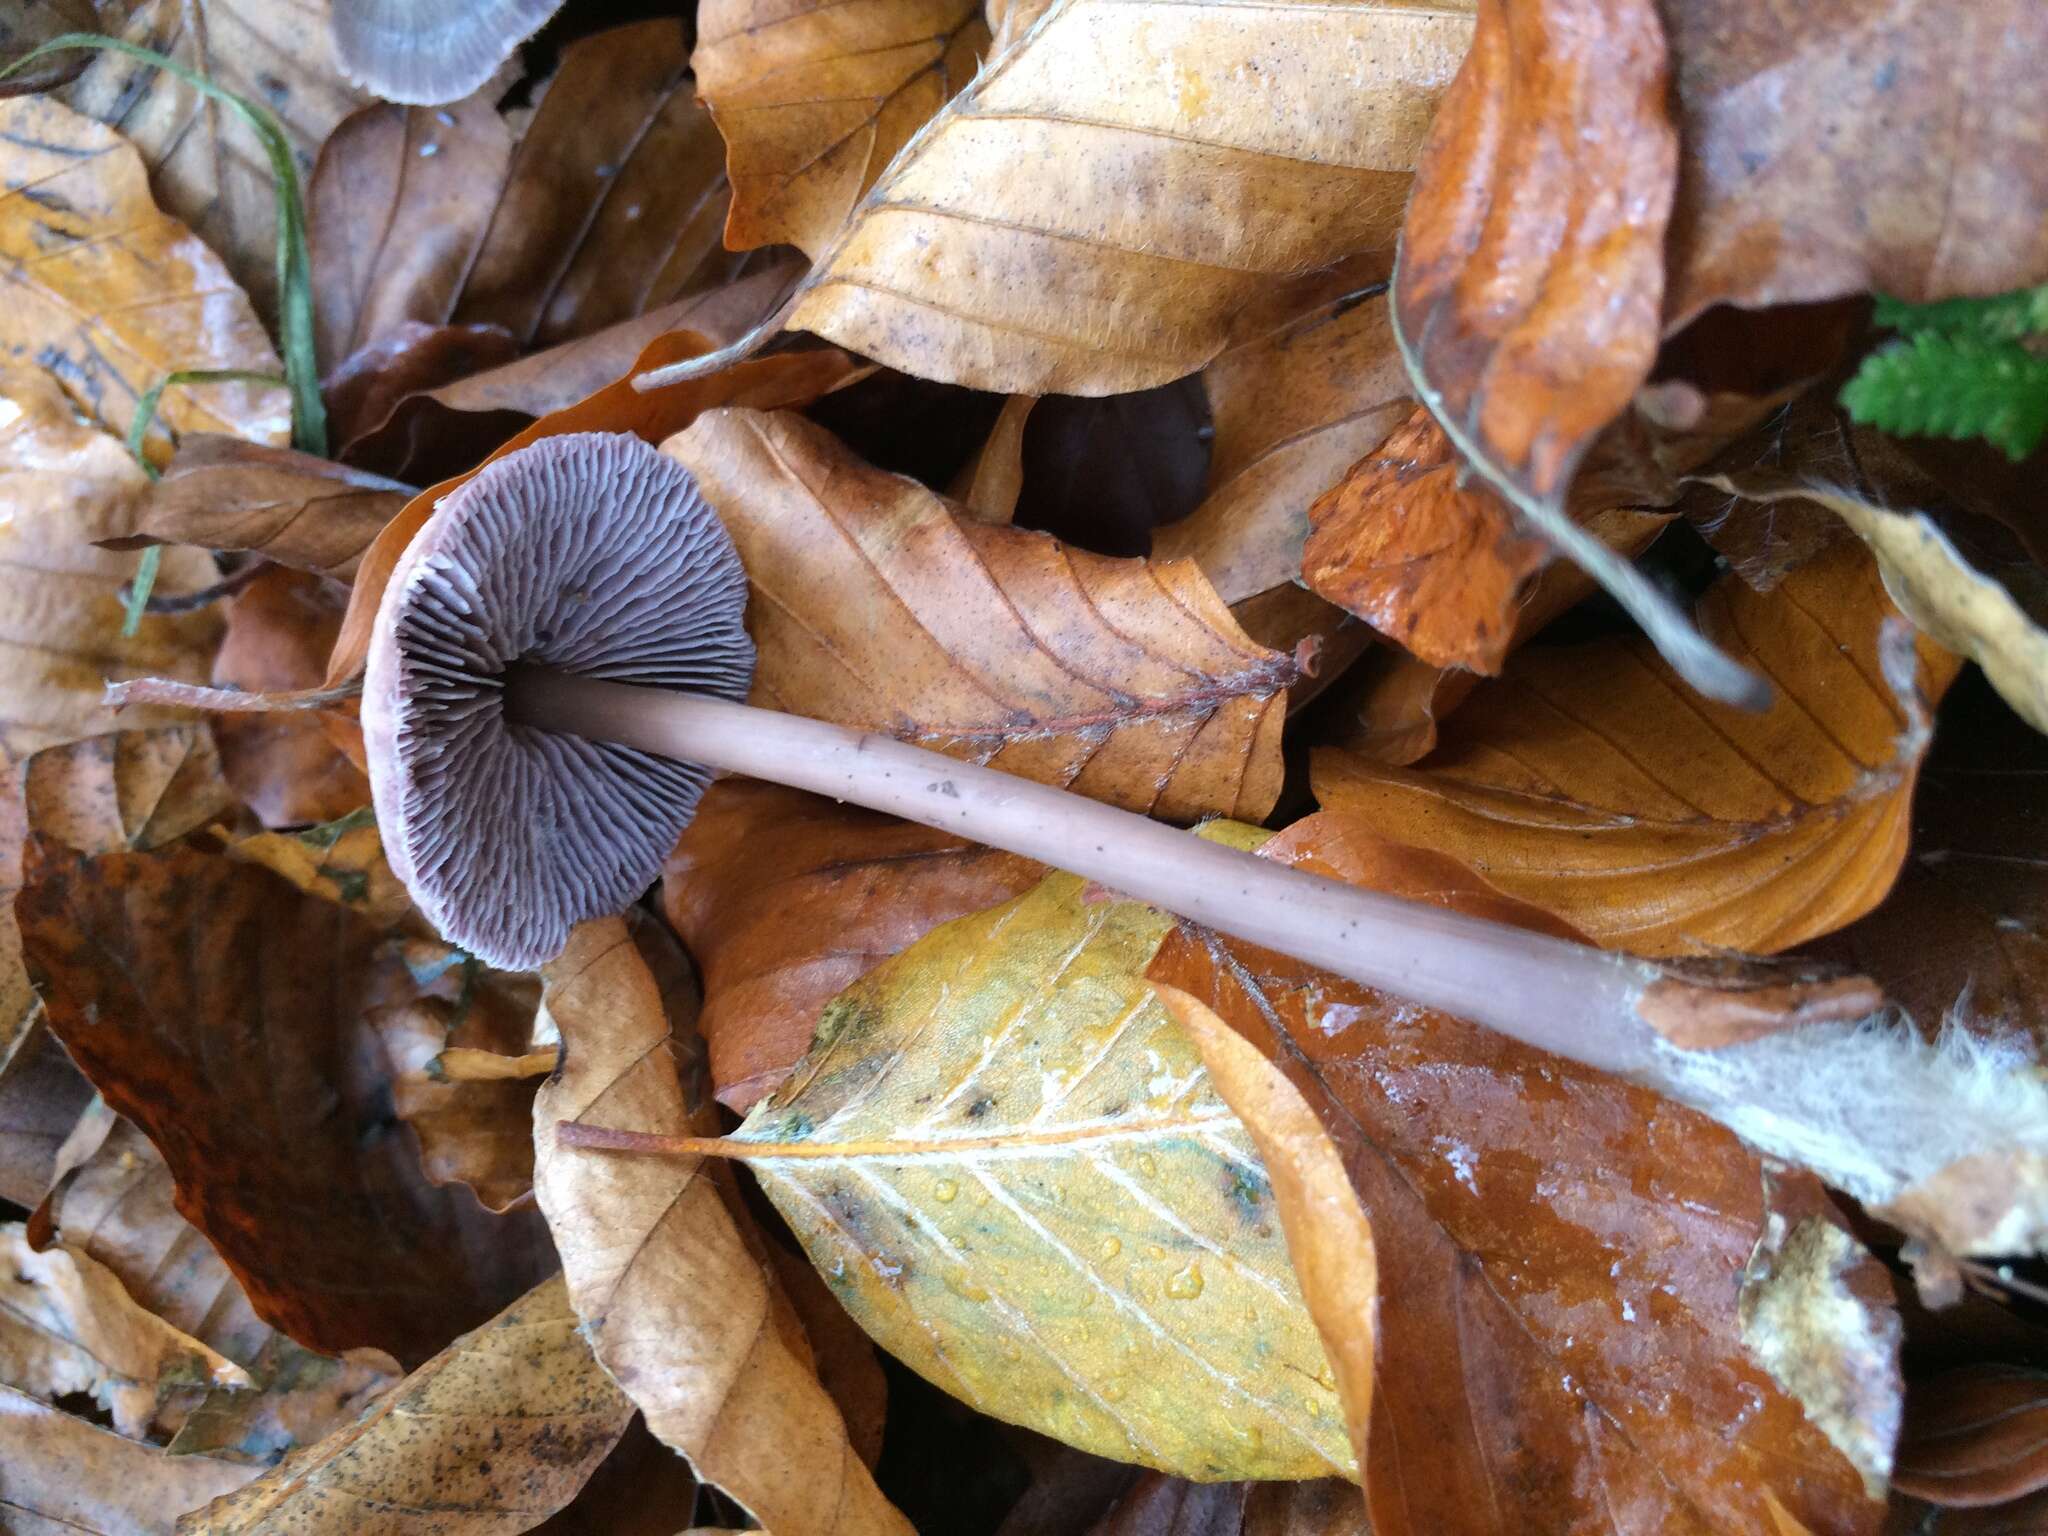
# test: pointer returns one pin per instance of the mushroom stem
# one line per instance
(1566, 998)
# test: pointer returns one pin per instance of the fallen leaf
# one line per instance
(848, 1367)
(873, 605)
(341, 861)
(1325, 1507)
(66, 1477)
(988, 485)
(220, 1010)
(1092, 212)
(111, 295)
(113, 1199)
(290, 507)
(374, 381)
(1588, 781)
(65, 483)
(27, 27)
(1329, 1239)
(1975, 1436)
(1311, 389)
(791, 379)
(785, 899)
(1937, 588)
(283, 763)
(1012, 1167)
(492, 1435)
(206, 164)
(676, 1302)
(1157, 1505)
(814, 99)
(474, 1130)
(41, 1097)
(1859, 145)
(1560, 1347)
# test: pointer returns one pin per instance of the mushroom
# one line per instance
(558, 668)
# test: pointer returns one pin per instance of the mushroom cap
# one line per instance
(426, 52)
(589, 553)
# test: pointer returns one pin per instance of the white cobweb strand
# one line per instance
(1870, 1106)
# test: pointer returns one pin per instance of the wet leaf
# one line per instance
(206, 166)
(1561, 1347)
(110, 294)
(1854, 146)
(784, 899)
(65, 1477)
(220, 1010)
(492, 1435)
(1314, 386)
(677, 1302)
(814, 99)
(1588, 781)
(1011, 1165)
(874, 605)
(1091, 214)
(67, 1326)
(65, 483)
(1975, 1436)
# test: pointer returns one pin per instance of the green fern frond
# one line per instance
(2002, 317)
(1943, 384)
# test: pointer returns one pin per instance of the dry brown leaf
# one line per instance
(791, 379)
(1092, 212)
(989, 484)
(110, 294)
(1975, 1436)
(220, 1010)
(784, 899)
(815, 98)
(64, 484)
(848, 1366)
(675, 1300)
(874, 605)
(293, 508)
(1590, 782)
(1314, 386)
(1560, 1348)
(1012, 1167)
(67, 1326)
(41, 1097)
(66, 1477)
(206, 164)
(1329, 1240)
(475, 1130)
(1853, 145)
(490, 1437)
(283, 763)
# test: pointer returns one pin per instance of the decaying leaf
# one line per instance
(1315, 385)
(111, 295)
(814, 99)
(220, 1009)
(67, 1326)
(1975, 1436)
(1864, 144)
(1011, 1165)
(475, 1129)
(1093, 211)
(784, 899)
(675, 1301)
(206, 164)
(874, 605)
(491, 1436)
(64, 483)
(1560, 1347)
(66, 1477)
(1590, 782)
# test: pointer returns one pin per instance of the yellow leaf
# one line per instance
(491, 1436)
(112, 295)
(1010, 1164)
(678, 1305)
(63, 483)
(1589, 781)
(874, 605)
(342, 861)
(815, 98)
(1093, 211)
(1329, 1237)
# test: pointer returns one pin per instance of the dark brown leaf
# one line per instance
(1975, 1436)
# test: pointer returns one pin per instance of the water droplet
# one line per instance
(945, 1190)
(1251, 1314)
(1011, 1351)
(1186, 1284)
(1112, 1391)
(1111, 1247)
(980, 1198)
(1154, 1251)
(1315, 1407)
(1254, 1439)
(1328, 1378)
(963, 1285)
(1146, 1166)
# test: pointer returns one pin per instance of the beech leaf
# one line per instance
(1011, 1165)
